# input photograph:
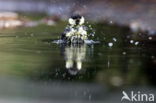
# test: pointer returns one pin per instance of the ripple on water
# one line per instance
(85, 41)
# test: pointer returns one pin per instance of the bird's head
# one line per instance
(76, 20)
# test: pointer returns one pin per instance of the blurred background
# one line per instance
(33, 69)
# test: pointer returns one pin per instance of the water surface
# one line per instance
(33, 69)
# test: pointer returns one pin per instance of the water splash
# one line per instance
(89, 42)
(76, 32)
(110, 44)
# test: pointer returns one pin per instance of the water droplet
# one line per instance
(111, 22)
(150, 38)
(136, 43)
(131, 41)
(124, 53)
(110, 44)
(114, 39)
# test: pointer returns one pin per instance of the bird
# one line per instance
(75, 32)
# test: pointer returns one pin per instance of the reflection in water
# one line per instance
(74, 56)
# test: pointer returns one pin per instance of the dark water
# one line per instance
(35, 70)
